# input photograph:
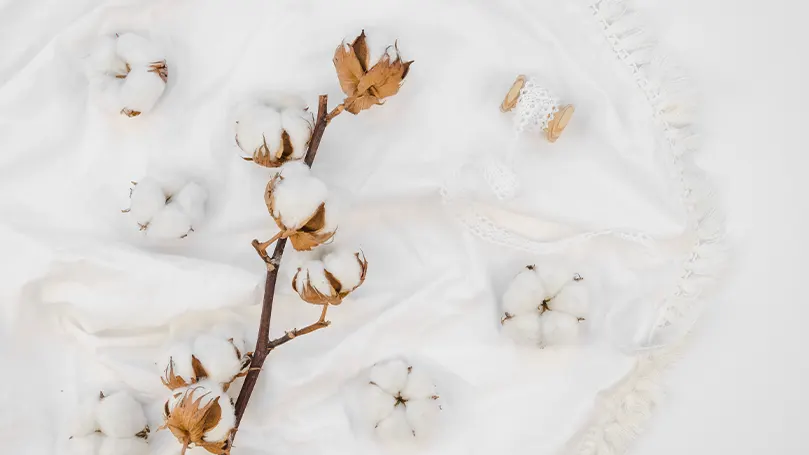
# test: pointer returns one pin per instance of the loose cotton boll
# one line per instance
(146, 200)
(191, 200)
(395, 426)
(257, 125)
(138, 50)
(346, 267)
(419, 385)
(573, 299)
(377, 403)
(141, 90)
(85, 445)
(123, 446)
(83, 421)
(296, 197)
(559, 328)
(169, 223)
(218, 357)
(524, 294)
(390, 375)
(120, 416)
(422, 415)
(524, 329)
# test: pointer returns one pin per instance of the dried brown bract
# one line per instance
(364, 85)
(191, 414)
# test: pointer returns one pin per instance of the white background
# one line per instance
(743, 384)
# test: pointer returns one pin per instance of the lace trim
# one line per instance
(535, 108)
(621, 411)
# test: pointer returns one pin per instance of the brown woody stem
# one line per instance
(289, 336)
(335, 112)
(263, 343)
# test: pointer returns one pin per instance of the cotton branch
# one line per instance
(263, 343)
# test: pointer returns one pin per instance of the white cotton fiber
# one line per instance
(523, 329)
(125, 446)
(218, 357)
(169, 223)
(146, 201)
(257, 124)
(138, 50)
(83, 421)
(419, 385)
(422, 415)
(297, 196)
(85, 445)
(559, 328)
(554, 277)
(191, 200)
(105, 59)
(389, 375)
(345, 266)
(297, 125)
(524, 294)
(378, 403)
(180, 353)
(395, 426)
(141, 90)
(313, 272)
(120, 416)
(573, 299)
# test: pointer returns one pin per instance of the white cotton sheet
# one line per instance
(88, 302)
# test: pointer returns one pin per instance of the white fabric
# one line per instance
(105, 301)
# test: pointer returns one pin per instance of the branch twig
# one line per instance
(263, 343)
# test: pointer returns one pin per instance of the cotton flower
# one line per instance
(544, 309)
(297, 202)
(272, 133)
(163, 212)
(201, 415)
(129, 72)
(119, 415)
(401, 401)
(329, 281)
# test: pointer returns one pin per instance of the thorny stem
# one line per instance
(263, 343)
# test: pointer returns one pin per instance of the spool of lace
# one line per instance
(536, 109)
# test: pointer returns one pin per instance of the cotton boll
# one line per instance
(573, 299)
(378, 403)
(123, 446)
(146, 201)
(120, 416)
(141, 90)
(345, 266)
(554, 277)
(313, 272)
(180, 353)
(296, 196)
(419, 385)
(228, 420)
(138, 50)
(218, 357)
(169, 223)
(523, 329)
(422, 415)
(83, 421)
(104, 59)
(256, 125)
(390, 376)
(524, 294)
(85, 445)
(395, 426)
(299, 128)
(559, 328)
(191, 200)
